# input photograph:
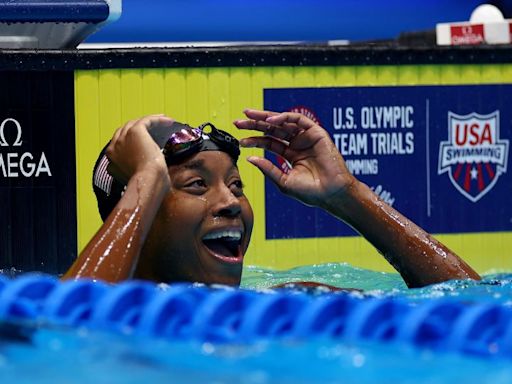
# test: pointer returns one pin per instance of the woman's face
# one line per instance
(204, 224)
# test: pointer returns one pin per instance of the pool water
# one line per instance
(81, 357)
(495, 287)
(338, 274)
(84, 356)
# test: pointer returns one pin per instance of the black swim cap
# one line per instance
(108, 190)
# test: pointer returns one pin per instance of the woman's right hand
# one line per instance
(132, 149)
(113, 253)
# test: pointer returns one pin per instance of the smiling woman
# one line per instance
(174, 207)
(202, 228)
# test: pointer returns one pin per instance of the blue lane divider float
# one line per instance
(224, 315)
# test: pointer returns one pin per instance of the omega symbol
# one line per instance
(17, 142)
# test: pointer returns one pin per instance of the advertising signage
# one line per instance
(439, 154)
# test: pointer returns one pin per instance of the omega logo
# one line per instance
(14, 164)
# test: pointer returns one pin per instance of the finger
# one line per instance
(154, 120)
(130, 124)
(145, 124)
(256, 114)
(264, 115)
(293, 118)
(109, 151)
(120, 134)
(252, 125)
(268, 169)
(267, 143)
(284, 132)
(116, 135)
(292, 126)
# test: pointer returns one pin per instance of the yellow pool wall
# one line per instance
(105, 99)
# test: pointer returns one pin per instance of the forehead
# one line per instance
(211, 161)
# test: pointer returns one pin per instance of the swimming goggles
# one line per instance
(186, 140)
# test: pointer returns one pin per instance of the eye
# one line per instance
(198, 185)
(237, 187)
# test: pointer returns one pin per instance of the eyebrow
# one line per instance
(200, 164)
(194, 164)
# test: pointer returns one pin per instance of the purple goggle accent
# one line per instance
(190, 140)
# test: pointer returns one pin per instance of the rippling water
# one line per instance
(338, 274)
(81, 356)
(493, 287)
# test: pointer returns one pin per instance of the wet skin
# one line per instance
(206, 199)
(191, 222)
(319, 177)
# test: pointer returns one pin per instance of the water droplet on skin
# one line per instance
(203, 199)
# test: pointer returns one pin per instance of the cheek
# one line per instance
(247, 217)
(183, 214)
(174, 235)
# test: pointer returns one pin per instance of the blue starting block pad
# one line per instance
(53, 24)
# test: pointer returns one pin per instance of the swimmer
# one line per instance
(176, 209)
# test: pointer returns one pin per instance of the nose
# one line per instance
(227, 204)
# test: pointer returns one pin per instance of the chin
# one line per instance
(230, 280)
(233, 281)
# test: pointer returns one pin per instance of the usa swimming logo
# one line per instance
(474, 156)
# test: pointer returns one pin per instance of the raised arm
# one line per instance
(319, 177)
(112, 254)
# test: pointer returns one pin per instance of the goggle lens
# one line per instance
(188, 140)
(182, 141)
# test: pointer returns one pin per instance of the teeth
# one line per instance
(232, 235)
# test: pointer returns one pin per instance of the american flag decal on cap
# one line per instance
(102, 179)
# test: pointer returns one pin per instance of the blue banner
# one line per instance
(438, 154)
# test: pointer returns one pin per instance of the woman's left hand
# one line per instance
(318, 170)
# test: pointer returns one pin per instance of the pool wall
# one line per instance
(433, 90)
(220, 84)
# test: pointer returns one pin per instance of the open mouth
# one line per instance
(225, 245)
